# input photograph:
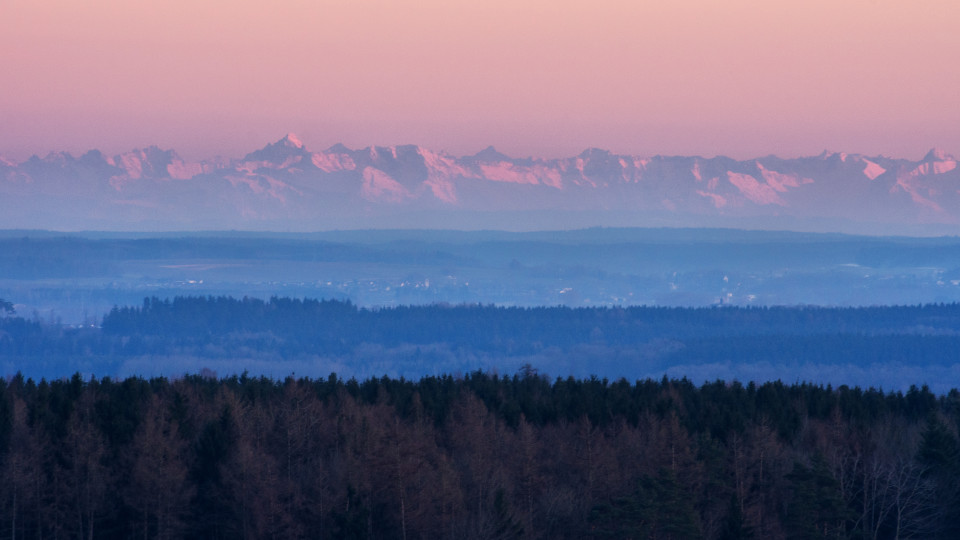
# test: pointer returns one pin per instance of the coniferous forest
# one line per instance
(477, 456)
(476, 453)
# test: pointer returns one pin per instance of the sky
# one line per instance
(742, 78)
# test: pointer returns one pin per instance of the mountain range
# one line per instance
(285, 186)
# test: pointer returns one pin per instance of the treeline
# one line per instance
(308, 325)
(319, 336)
(476, 456)
(203, 317)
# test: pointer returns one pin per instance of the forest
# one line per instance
(888, 346)
(462, 452)
(481, 455)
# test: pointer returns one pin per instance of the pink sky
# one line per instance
(545, 78)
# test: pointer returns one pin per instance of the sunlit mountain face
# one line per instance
(285, 186)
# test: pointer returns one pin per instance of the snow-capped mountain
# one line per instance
(286, 186)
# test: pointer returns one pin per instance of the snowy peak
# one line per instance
(285, 183)
(280, 154)
(872, 170)
(490, 155)
(595, 153)
(938, 154)
(827, 155)
(150, 162)
(338, 148)
(58, 158)
(291, 140)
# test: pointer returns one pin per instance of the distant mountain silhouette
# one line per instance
(285, 186)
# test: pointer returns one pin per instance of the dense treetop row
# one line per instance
(474, 456)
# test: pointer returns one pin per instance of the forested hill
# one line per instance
(330, 323)
(891, 347)
(478, 456)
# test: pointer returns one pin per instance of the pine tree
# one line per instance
(817, 509)
(939, 455)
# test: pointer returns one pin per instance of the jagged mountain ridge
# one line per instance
(284, 184)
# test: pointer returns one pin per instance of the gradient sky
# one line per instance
(545, 78)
